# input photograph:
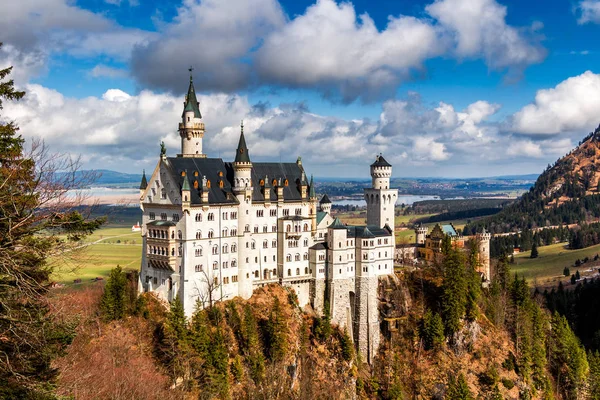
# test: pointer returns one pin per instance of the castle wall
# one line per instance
(366, 323)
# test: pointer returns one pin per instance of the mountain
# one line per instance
(107, 177)
(565, 193)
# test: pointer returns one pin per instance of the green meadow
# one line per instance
(549, 265)
(99, 253)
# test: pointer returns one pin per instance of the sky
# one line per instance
(442, 88)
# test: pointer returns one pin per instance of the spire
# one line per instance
(312, 193)
(325, 199)
(144, 183)
(191, 103)
(186, 183)
(241, 154)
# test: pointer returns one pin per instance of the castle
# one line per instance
(213, 230)
(428, 245)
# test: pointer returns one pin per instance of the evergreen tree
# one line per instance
(277, 334)
(594, 375)
(432, 330)
(567, 358)
(473, 282)
(176, 320)
(458, 389)
(34, 226)
(453, 292)
(573, 279)
(251, 346)
(347, 346)
(538, 353)
(566, 271)
(112, 303)
(534, 250)
(446, 246)
(577, 275)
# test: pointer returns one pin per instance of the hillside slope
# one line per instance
(565, 193)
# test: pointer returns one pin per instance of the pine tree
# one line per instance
(277, 334)
(176, 320)
(566, 271)
(34, 226)
(112, 303)
(577, 275)
(454, 292)
(251, 346)
(473, 283)
(458, 389)
(594, 375)
(538, 352)
(534, 250)
(432, 330)
(567, 358)
(347, 346)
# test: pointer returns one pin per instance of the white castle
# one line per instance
(213, 230)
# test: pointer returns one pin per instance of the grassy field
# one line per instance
(103, 250)
(548, 267)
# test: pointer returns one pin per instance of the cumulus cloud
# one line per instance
(33, 30)
(588, 11)
(479, 29)
(572, 105)
(236, 44)
(217, 37)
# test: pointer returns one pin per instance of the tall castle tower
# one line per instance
(483, 239)
(191, 127)
(381, 200)
(242, 188)
(420, 234)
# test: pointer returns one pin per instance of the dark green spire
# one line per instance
(312, 193)
(191, 103)
(241, 154)
(186, 183)
(144, 183)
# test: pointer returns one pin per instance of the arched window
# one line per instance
(211, 234)
(247, 228)
(179, 235)
(211, 216)
(274, 243)
(198, 234)
(305, 227)
(173, 251)
(289, 272)
(233, 248)
(306, 270)
(198, 217)
(297, 271)
(288, 257)
(265, 229)
(215, 265)
(225, 249)
(224, 232)
(233, 263)
(288, 228)
(306, 256)
(297, 257)
(198, 252)
(253, 245)
(215, 249)
(265, 244)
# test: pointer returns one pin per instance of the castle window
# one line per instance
(259, 213)
(163, 216)
(182, 173)
(179, 236)
(273, 212)
(305, 227)
(215, 265)
(247, 228)
(306, 270)
(288, 228)
(175, 217)
(385, 241)
(221, 184)
(256, 260)
(208, 183)
(305, 242)
(211, 234)
(225, 264)
(285, 183)
(265, 244)
(195, 173)
(221, 173)
(273, 258)
(211, 216)
(256, 274)
(224, 216)
(152, 216)
(305, 256)
(274, 183)
(234, 278)
(172, 235)
(288, 257)
(289, 272)
(256, 229)
(233, 248)
(297, 271)
(274, 243)
(225, 249)
(253, 245)
(262, 182)
(297, 257)
(298, 211)
(233, 263)
(198, 217)
(195, 184)
(198, 235)
(198, 268)
(286, 212)
(215, 249)
(172, 252)
(234, 215)
(198, 252)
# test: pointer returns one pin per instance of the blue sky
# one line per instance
(441, 87)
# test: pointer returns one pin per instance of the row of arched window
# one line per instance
(288, 257)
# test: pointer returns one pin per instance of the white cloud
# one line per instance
(217, 37)
(588, 11)
(572, 105)
(480, 30)
(525, 148)
(101, 71)
(427, 149)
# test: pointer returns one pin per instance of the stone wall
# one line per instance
(317, 295)
(366, 321)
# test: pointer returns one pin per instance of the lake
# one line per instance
(404, 198)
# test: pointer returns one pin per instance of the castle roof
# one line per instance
(161, 223)
(380, 162)
(325, 199)
(191, 102)
(367, 231)
(312, 193)
(144, 183)
(186, 183)
(337, 224)
(319, 246)
(219, 173)
(320, 216)
(449, 230)
(241, 154)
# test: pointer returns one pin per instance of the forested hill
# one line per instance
(565, 193)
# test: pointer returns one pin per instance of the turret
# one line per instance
(325, 204)
(144, 184)
(483, 241)
(312, 198)
(303, 185)
(191, 127)
(420, 234)
(381, 200)
(186, 192)
(242, 166)
(267, 190)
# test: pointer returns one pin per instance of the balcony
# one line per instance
(197, 126)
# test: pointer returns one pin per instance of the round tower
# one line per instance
(325, 204)
(483, 240)
(191, 127)
(381, 200)
(242, 188)
(420, 234)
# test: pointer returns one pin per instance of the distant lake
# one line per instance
(406, 199)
